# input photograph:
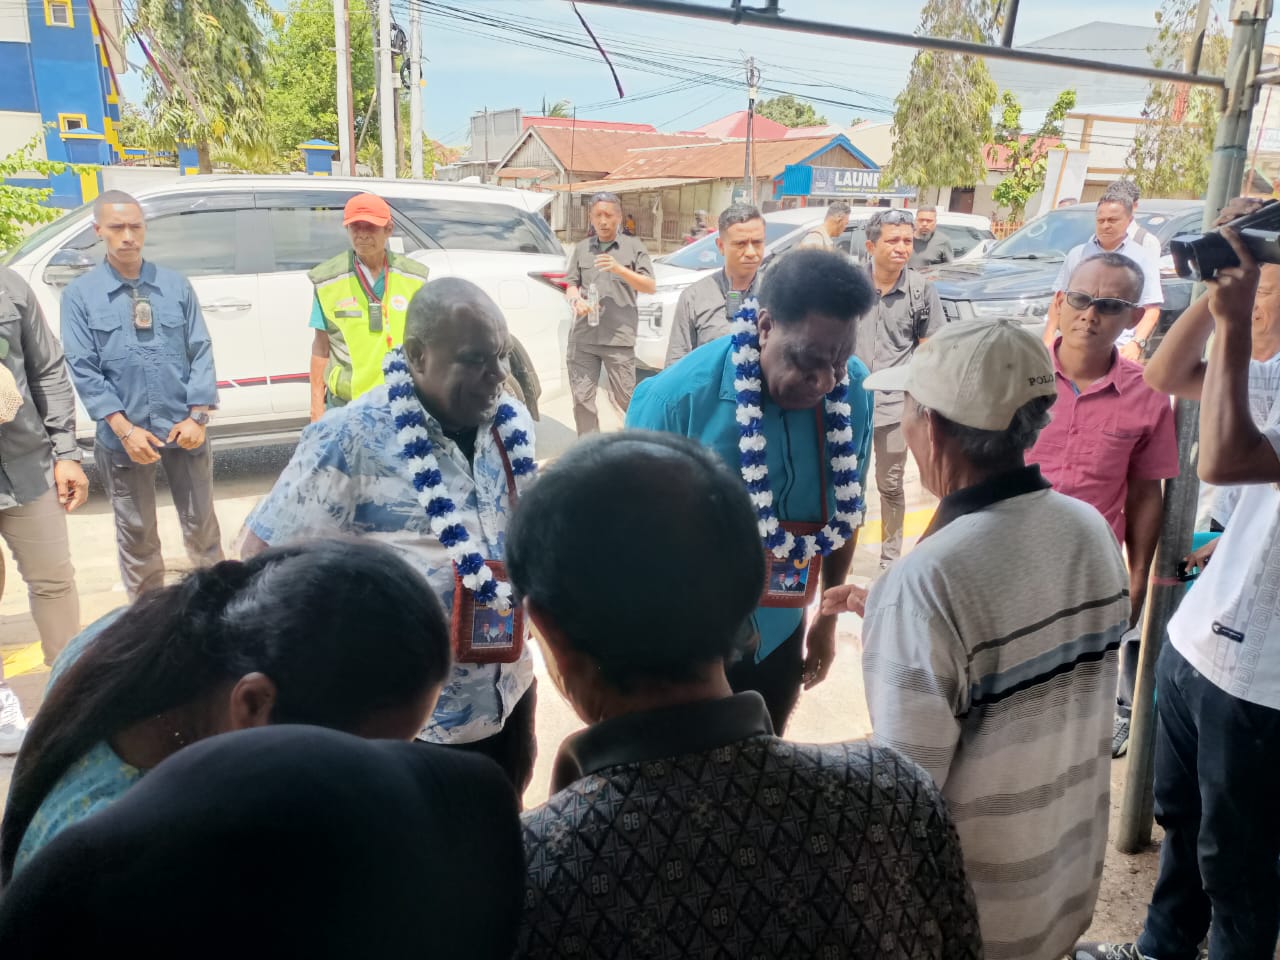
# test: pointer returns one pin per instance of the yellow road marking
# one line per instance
(912, 526)
(28, 659)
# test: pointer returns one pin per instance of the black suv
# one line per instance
(1017, 276)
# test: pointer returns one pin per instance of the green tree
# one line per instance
(942, 120)
(561, 109)
(790, 112)
(22, 207)
(210, 87)
(1026, 152)
(302, 76)
(1171, 153)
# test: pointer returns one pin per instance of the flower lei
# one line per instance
(423, 471)
(755, 468)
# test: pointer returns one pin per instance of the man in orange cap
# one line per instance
(361, 299)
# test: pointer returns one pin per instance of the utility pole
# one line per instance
(485, 177)
(415, 92)
(346, 118)
(1180, 494)
(753, 88)
(386, 91)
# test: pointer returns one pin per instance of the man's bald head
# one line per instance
(440, 304)
(456, 343)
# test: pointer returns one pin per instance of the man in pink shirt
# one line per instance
(1111, 440)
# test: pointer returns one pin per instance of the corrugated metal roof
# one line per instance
(718, 161)
(602, 151)
(627, 186)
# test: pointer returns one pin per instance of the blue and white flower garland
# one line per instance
(845, 479)
(420, 466)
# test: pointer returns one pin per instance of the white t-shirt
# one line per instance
(1228, 627)
(1149, 240)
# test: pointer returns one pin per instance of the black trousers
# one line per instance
(1217, 795)
(515, 747)
(777, 677)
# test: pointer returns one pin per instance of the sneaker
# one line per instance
(1120, 737)
(1088, 950)
(13, 725)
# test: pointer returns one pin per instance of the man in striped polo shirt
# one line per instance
(990, 650)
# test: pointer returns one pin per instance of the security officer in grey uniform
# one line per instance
(604, 274)
(705, 308)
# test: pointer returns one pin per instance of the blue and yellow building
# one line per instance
(59, 60)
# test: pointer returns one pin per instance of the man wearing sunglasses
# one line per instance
(1113, 219)
(1111, 441)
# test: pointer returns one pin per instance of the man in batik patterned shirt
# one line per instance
(679, 825)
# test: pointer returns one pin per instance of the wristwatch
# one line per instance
(200, 416)
(1142, 343)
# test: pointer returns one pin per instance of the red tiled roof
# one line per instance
(589, 151)
(734, 126)
(568, 122)
(718, 161)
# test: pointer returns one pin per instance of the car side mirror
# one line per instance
(65, 265)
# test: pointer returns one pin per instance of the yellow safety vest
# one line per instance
(356, 351)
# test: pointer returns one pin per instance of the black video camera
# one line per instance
(1201, 256)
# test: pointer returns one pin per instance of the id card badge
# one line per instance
(792, 583)
(480, 632)
(375, 317)
(142, 317)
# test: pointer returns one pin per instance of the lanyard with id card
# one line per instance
(375, 302)
(793, 583)
(481, 632)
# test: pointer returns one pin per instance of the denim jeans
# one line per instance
(1217, 796)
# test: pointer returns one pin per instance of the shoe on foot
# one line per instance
(13, 725)
(1090, 950)
(1120, 737)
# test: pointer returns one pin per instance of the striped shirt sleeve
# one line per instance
(915, 672)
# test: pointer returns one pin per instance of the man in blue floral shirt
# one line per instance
(348, 477)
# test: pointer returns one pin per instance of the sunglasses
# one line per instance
(1106, 306)
(894, 217)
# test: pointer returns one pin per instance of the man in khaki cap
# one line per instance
(989, 651)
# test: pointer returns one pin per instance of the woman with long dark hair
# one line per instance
(340, 634)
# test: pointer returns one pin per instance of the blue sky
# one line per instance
(469, 68)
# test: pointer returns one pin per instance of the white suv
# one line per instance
(247, 242)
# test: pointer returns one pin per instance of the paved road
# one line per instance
(836, 710)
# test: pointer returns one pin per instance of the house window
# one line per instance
(68, 122)
(57, 13)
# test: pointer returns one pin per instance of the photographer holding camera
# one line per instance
(1218, 713)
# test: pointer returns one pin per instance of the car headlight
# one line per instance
(1023, 309)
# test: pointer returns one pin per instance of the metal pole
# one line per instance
(754, 18)
(1010, 18)
(415, 92)
(342, 52)
(1165, 592)
(386, 92)
(484, 178)
(1197, 38)
(1257, 144)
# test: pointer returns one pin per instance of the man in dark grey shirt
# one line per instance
(40, 477)
(930, 246)
(705, 308)
(904, 313)
(604, 274)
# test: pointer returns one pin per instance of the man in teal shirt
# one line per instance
(810, 303)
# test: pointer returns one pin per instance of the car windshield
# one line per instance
(963, 238)
(37, 237)
(703, 254)
(1053, 235)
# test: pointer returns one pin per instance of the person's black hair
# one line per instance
(807, 281)
(1118, 261)
(738, 213)
(109, 198)
(343, 628)
(644, 550)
